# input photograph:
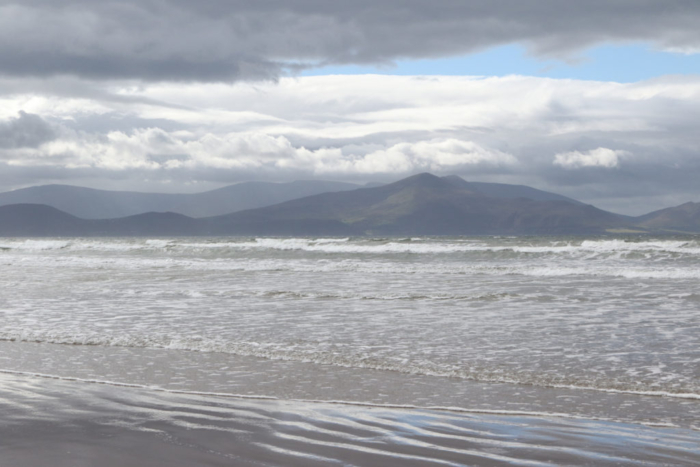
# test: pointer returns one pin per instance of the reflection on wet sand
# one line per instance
(70, 423)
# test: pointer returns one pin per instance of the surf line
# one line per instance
(279, 355)
(456, 410)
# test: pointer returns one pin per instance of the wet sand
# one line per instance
(198, 372)
(71, 423)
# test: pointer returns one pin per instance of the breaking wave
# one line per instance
(663, 270)
(690, 246)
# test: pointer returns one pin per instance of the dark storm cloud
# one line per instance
(25, 131)
(229, 40)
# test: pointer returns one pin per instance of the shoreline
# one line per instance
(351, 403)
(60, 422)
(250, 377)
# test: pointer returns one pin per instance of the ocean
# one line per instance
(531, 331)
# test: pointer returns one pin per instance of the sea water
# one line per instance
(579, 328)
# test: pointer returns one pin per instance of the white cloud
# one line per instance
(684, 50)
(153, 148)
(434, 155)
(365, 128)
(600, 157)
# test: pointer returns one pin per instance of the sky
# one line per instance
(597, 100)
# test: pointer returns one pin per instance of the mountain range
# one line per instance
(89, 203)
(423, 204)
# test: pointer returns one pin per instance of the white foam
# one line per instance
(581, 249)
(347, 358)
(472, 245)
(628, 270)
(156, 243)
(39, 245)
(679, 246)
(601, 270)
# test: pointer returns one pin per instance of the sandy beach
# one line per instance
(73, 423)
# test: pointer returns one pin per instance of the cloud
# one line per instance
(25, 131)
(363, 128)
(600, 157)
(435, 156)
(153, 149)
(226, 40)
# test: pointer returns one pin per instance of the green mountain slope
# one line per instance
(683, 218)
(425, 205)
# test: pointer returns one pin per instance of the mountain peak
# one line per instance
(424, 179)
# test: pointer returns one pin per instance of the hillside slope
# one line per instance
(683, 218)
(89, 203)
(423, 205)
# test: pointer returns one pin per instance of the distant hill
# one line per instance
(683, 218)
(88, 203)
(421, 205)
(502, 190)
(38, 220)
